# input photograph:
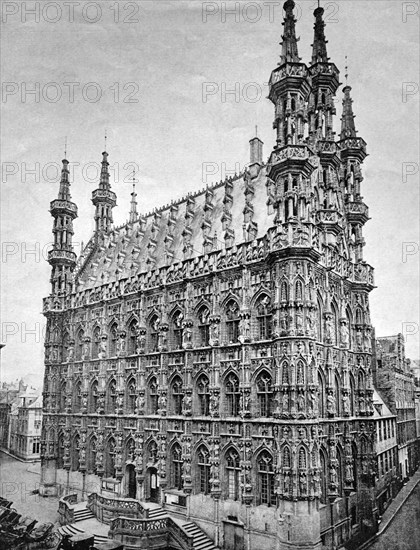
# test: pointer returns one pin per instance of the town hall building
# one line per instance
(214, 356)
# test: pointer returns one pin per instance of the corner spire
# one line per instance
(64, 191)
(289, 41)
(348, 128)
(319, 47)
(133, 204)
(104, 199)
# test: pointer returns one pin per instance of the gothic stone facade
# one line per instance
(215, 354)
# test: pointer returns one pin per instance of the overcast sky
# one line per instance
(149, 66)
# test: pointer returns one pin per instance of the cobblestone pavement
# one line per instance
(403, 532)
(17, 481)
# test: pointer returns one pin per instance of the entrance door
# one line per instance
(131, 481)
(234, 536)
(153, 485)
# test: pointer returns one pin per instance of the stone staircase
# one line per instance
(82, 514)
(71, 529)
(201, 540)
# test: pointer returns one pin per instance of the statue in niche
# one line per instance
(214, 405)
(331, 403)
(346, 404)
(344, 331)
(102, 348)
(70, 354)
(301, 402)
(186, 337)
(329, 329)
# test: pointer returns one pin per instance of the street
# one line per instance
(404, 531)
(17, 481)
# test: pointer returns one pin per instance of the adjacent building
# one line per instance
(25, 426)
(9, 395)
(394, 381)
(386, 453)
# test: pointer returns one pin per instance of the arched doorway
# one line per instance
(153, 485)
(131, 481)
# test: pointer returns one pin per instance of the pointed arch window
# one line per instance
(284, 292)
(110, 458)
(265, 480)
(203, 464)
(77, 396)
(153, 396)
(298, 291)
(203, 393)
(79, 344)
(112, 397)
(132, 337)
(154, 333)
(302, 463)
(63, 396)
(233, 395)
(131, 396)
(287, 462)
(176, 469)
(130, 448)
(177, 320)
(113, 340)
(264, 318)
(75, 453)
(93, 394)
(91, 457)
(324, 477)
(203, 327)
(232, 322)
(177, 395)
(264, 394)
(96, 342)
(233, 471)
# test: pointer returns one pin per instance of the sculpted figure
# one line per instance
(331, 403)
(344, 334)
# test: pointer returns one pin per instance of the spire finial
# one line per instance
(65, 147)
(347, 71)
(289, 40)
(319, 47)
(133, 204)
(105, 140)
(256, 131)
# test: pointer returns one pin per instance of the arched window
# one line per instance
(265, 481)
(264, 317)
(233, 395)
(287, 462)
(233, 471)
(77, 396)
(63, 396)
(154, 334)
(284, 292)
(337, 394)
(152, 452)
(203, 327)
(298, 291)
(203, 464)
(110, 458)
(232, 322)
(177, 394)
(91, 455)
(321, 397)
(60, 451)
(79, 344)
(132, 337)
(203, 394)
(300, 373)
(302, 459)
(130, 448)
(75, 453)
(112, 397)
(177, 320)
(113, 340)
(324, 477)
(286, 185)
(93, 397)
(264, 394)
(176, 467)
(96, 342)
(131, 396)
(153, 396)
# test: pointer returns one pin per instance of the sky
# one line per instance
(179, 87)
